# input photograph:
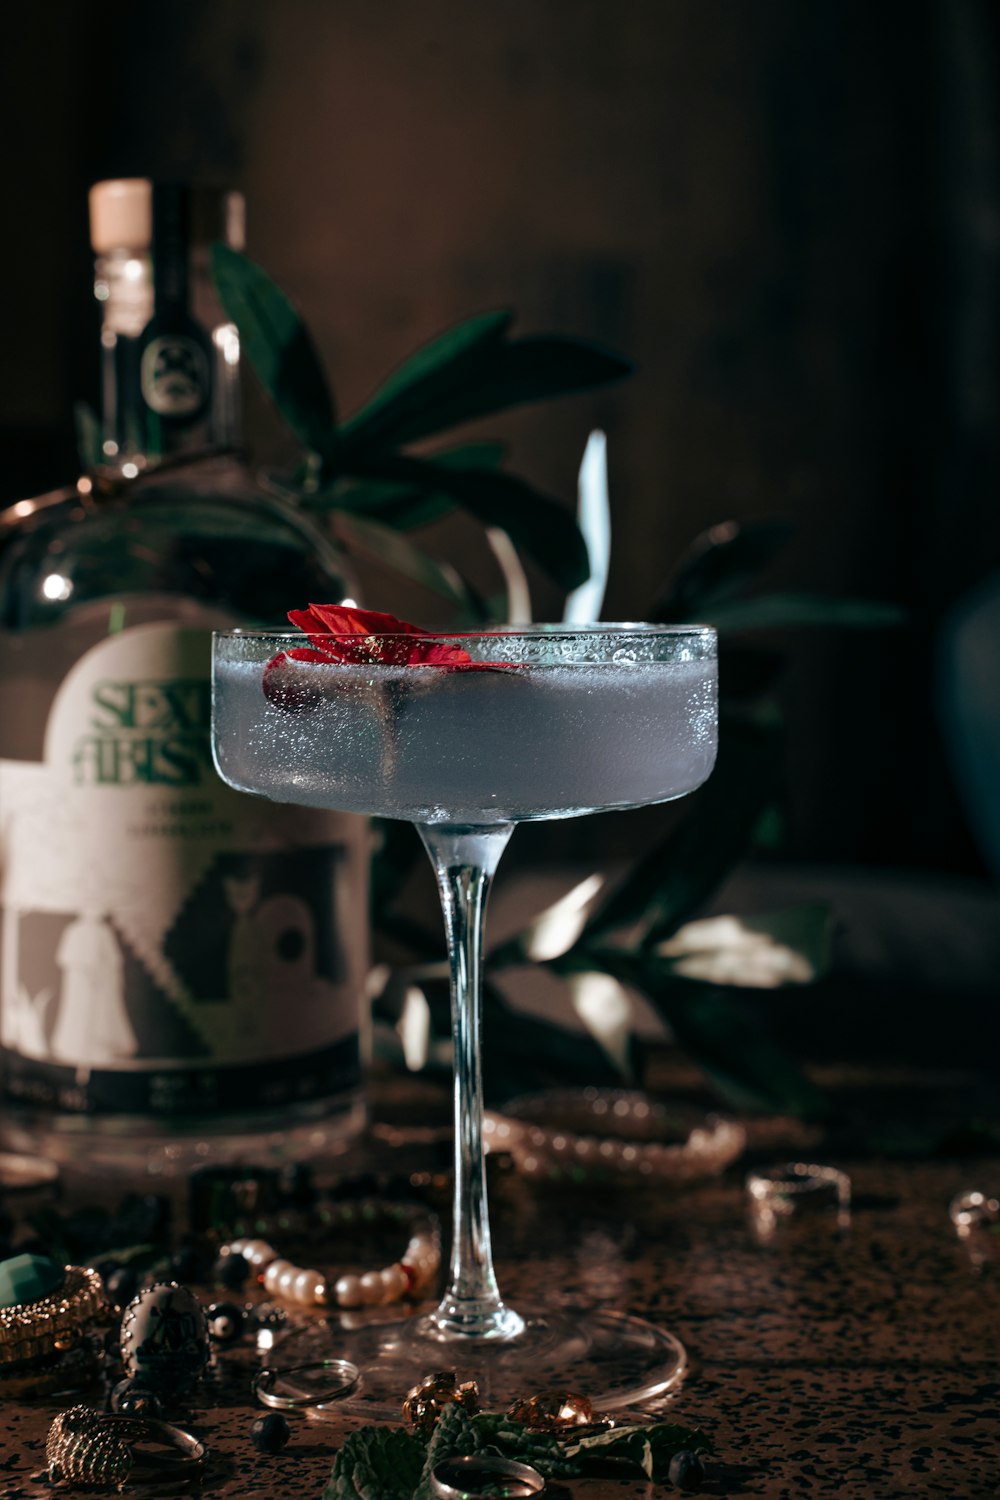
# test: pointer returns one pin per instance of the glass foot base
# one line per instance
(614, 1360)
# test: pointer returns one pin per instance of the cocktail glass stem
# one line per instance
(465, 860)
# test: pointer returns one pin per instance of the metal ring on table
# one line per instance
(478, 1474)
(265, 1380)
(797, 1187)
(93, 1447)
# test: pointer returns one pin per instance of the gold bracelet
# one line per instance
(52, 1324)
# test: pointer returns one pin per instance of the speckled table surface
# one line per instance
(859, 1362)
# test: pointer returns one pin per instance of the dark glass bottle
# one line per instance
(181, 967)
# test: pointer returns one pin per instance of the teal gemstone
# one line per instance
(25, 1278)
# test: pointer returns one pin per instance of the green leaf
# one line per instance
(489, 376)
(278, 346)
(721, 1034)
(779, 611)
(758, 952)
(383, 545)
(422, 383)
(536, 524)
(524, 1053)
(650, 1447)
(376, 1463)
(407, 506)
(679, 875)
(729, 1042)
(718, 564)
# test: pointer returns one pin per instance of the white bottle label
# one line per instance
(169, 945)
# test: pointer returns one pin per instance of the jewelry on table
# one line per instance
(49, 1335)
(265, 1382)
(164, 1337)
(797, 1187)
(426, 1400)
(477, 1474)
(553, 1411)
(973, 1210)
(91, 1447)
(579, 1133)
(55, 1321)
(308, 1287)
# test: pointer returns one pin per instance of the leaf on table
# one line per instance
(538, 525)
(278, 345)
(719, 563)
(763, 951)
(650, 1447)
(376, 1463)
(674, 880)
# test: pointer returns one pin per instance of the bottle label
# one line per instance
(175, 376)
(169, 945)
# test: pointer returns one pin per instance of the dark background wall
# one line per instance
(786, 213)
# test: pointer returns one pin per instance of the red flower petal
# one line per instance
(284, 687)
(361, 637)
(369, 637)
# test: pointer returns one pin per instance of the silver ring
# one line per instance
(477, 1474)
(265, 1381)
(93, 1447)
(780, 1188)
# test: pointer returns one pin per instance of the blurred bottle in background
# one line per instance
(181, 967)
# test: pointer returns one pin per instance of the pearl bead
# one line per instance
(321, 1291)
(304, 1287)
(372, 1290)
(259, 1253)
(348, 1291)
(286, 1280)
(272, 1274)
(393, 1283)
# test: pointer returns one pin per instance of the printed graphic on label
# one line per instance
(175, 376)
(153, 918)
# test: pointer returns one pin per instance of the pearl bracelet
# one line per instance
(610, 1134)
(407, 1277)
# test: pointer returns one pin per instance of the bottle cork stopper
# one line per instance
(121, 215)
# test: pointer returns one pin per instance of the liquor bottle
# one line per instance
(181, 967)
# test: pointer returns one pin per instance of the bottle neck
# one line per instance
(170, 383)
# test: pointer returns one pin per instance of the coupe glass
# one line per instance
(540, 722)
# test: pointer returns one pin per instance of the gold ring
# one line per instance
(54, 1323)
(92, 1447)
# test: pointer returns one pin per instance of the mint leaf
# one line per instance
(651, 1447)
(376, 1463)
(453, 1437)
